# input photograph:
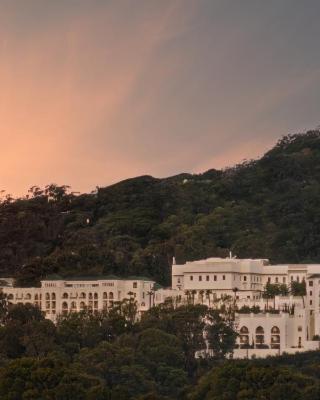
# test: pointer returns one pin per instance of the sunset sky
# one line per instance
(95, 91)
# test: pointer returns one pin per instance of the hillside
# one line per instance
(266, 208)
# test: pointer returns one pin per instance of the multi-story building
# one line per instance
(285, 323)
(60, 296)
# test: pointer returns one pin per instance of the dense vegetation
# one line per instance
(110, 356)
(266, 208)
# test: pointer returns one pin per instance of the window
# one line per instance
(65, 295)
(207, 278)
(215, 277)
(298, 279)
(191, 278)
(277, 279)
(224, 277)
(259, 335)
(310, 283)
(111, 296)
(291, 278)
(269, 279)
(244, 336)
(179, 281)
(135, 285)
(200, 278)
(310, 302)
(310, 292)
(245, 278)
(275, 338)
(299, 328)
(284, 279)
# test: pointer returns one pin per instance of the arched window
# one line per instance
(73, 305)
(111, 296)
(28, 296)
(105, 295)
(64, 305)
(10, 296)
(275, 337)
(36, 297)
(65, 295)
(82, 295)
(82, 305)
(90, 295)
(259, 335)
(53, 296)
(244, 336)
(47, 296)
(95, 295)
(244, 329)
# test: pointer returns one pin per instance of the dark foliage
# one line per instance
(266, 208)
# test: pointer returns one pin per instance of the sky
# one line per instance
(96, 91)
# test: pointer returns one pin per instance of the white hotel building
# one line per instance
(266, 332)
(291, 327)
(60, 296)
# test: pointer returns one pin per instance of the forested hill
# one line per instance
(266, 208)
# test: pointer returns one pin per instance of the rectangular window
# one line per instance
(245, 278)
(310, 283)
(215, 277)
(135, 285)
(200, 278)
(310, 292)
(284, 279)
(292, 279)
(269, 279)
(207, 277)
(310, 302)
(224, 277)
(277, 279)
(191, 278)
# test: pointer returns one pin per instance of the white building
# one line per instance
(60, 296)
(289, 328)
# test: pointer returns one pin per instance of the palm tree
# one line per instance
(188, 294)
(150, 294)
(299, 289)
(208, 295)
(235, 291)
(193, 293)
(201, 293)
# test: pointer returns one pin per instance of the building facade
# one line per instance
(60, 296)
(283, 324)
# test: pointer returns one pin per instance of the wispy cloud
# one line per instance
(93, 92)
